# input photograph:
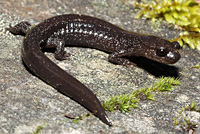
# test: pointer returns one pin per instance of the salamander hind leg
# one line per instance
(119, 58)
(59, 44)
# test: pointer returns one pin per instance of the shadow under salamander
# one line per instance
(155, 68)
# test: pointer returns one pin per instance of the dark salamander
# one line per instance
(86, 31)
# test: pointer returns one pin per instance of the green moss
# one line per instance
(39, 128)
(192, 107)
(184, 13)
(127, 101)
(80, 117)
(165, 84)
(144, 93)
(175, 121)
(186, 124)
(192, 39)
(120, 102)
(195, 66)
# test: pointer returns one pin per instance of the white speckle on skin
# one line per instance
(170, 54)
(79, 25)
(80, 31)
(62, 31)
(90, 32)
(95, 34)
(76, 30)
(100, 35)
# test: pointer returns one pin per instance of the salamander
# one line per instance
(86, 31)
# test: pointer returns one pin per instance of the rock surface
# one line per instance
(26, 102)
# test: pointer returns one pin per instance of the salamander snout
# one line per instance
(168, 54)
(160, 50)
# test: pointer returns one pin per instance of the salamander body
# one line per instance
(86, 31)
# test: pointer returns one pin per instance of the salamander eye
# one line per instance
(176, 44)
(162, 51)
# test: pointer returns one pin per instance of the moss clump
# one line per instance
(195, 66)
(144, 93)
(120, 102)
(127, 101)
(162, 84)
(184, 13)
(80, 117)
(185, 123)
(165, 84)
(39, 128)
(76, 119)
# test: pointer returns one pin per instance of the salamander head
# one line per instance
(161, 50)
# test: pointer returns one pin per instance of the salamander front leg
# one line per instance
(60, 53)
(119, 58)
